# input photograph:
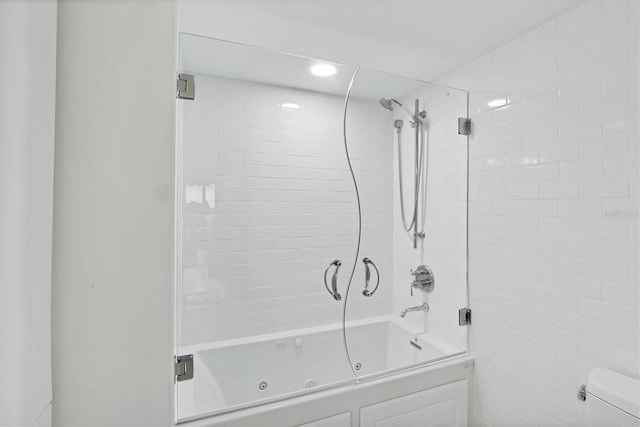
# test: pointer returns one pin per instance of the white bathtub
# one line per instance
(236, 374)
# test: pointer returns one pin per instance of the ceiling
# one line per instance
(236, 61)
(424, 39)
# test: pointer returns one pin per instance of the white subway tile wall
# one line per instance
(554, 213)
(269, 203)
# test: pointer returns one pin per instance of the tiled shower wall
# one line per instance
(554, 213)
(269, 203)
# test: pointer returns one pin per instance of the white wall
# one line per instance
(27, 114)
(114, 213)
(554, 213)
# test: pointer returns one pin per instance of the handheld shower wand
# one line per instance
(420, 168)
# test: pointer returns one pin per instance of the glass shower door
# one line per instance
(267, 226)
(409, 279)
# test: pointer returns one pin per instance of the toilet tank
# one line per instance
(613, 399)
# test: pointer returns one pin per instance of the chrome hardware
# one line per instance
(423, 279)
(422, 307)
(464, 316)
(367, 277)
(421, 160)
(415, 344)
(262, 385)
(582, 393)
(184, 367)
(418, 118)
(464, 126)
(186, 86)
(334, 280)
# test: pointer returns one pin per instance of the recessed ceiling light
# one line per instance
(323, 70)
(497, 103)
(290, 106)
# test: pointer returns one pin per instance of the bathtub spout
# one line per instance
(423, 307)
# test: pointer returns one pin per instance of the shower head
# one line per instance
(387, 104)
(418, 117)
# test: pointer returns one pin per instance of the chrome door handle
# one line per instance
(367, 277)
(334, 280)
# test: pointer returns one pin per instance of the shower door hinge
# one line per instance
(464, 316)
(186, 86)
(464, 126)
(184, 367)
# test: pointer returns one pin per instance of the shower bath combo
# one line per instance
(291, 338)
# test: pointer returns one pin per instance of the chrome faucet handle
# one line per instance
(334, 280)
(423, 279)
(412, 284)
(367, 277)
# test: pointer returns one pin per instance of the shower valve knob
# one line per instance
(423, 279)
